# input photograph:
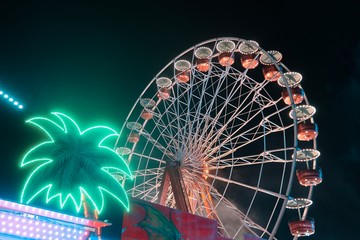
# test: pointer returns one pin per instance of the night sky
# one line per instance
(92, 60)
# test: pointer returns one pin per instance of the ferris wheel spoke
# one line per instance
(141, 156)
(157, 144)
(146, 185)
(246, 89)
(242, 164)
(246, 135)
(165, 131)
(190, 142)
(246, 221)
(192, 121)
(144, 190)
(238, 114)
(267, 156)
(158, 122)
(180, 103)
(249, 223)
(225, 180)
(198, 143)
(214, 119)
(242, 123)
(208, 105)
(171, 113)
(147, 172)
(149, 192)
(209, 99)
(241, 98)
(177, 122)
(210, 96)
(168, 116)
(256, 136)
(169, 141)
(214, 122)
(181, 108)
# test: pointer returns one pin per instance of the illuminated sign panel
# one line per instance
(19, 221)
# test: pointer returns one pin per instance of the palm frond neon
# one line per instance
(72, 163)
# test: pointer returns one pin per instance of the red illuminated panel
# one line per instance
(152, 221)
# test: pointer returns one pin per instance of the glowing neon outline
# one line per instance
(124, 202)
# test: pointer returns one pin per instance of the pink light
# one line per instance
(10, 226)
(31, 222)
(50, 214)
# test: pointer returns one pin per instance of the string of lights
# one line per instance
(11, 99)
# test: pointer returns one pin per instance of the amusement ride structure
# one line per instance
(225, 131)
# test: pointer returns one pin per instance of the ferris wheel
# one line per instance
(225, 131)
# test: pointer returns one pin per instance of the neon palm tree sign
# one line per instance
(73, 165)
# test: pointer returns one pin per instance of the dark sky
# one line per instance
(93, 60)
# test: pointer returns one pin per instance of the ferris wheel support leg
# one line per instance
(165, 183)
(178, 187)
(173, 172)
